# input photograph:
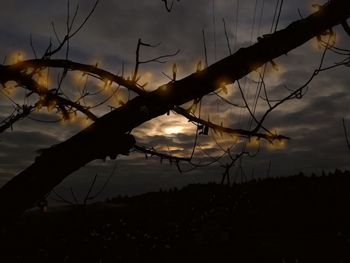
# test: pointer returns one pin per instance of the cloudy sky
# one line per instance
(109, 39)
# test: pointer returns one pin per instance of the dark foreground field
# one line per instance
(294, 219)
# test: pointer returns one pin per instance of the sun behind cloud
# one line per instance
(173, 129)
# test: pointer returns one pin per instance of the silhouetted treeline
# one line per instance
(290, 219)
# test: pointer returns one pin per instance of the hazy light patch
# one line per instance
(182, 70)
(254, 143)
(97, 62)
(164, 148)
(70, 118)
(318, 43)
(78, 78)
(173, 130)
(150, 80)
(44, 80)
(217, 118)
(277, 145)
(274, 73)
(165, 125)
(226, 140)
(84, 122)
(16, 56)
(10, 88)
(226, 91)
(119, 98)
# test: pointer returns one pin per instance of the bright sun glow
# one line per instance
(173, 130)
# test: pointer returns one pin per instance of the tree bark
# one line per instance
(107, 136)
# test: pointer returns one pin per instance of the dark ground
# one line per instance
(294, 219)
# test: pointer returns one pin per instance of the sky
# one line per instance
(109, 39)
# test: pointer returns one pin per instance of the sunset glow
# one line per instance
(173, 130)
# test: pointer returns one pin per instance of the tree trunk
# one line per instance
(107, 136)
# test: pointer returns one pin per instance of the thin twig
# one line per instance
(227, 39)
(346, 135)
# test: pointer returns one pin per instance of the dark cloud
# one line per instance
(19, 148)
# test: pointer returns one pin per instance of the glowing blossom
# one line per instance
(253, 143)
(277, 145)
(84, 121)
(51, 105)
(16, 57)
(79, 78)
(9, 89)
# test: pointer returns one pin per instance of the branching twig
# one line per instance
(346, 27)
(60, 198)
(152, 152)
(8, 73)
(227, 39)
(167, 7)
(69, 34)
(234, 132)
(19, 114)
(205, 49)
(228, 166)
(295, 94)
(156, 59)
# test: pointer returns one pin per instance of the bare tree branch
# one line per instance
(234, 132)
(74, 66)
(167, 7)
(162, 156)
(20, 113)
(8, 73)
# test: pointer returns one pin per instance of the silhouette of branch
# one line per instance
(103, 187)
(162, 156)
(346, 27)
(228, 102)
(295, 94)
(69, 34)
(167, 7)
(346, 134)
(226, 36)
(228, 166)
(8, 73)
(205, 49)
(87, 197)
(76, 201)
(259, 123)
(60, 198)
(32, 46)
(93, 70)
(221, 129)
(139, 62)
(20, 113)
